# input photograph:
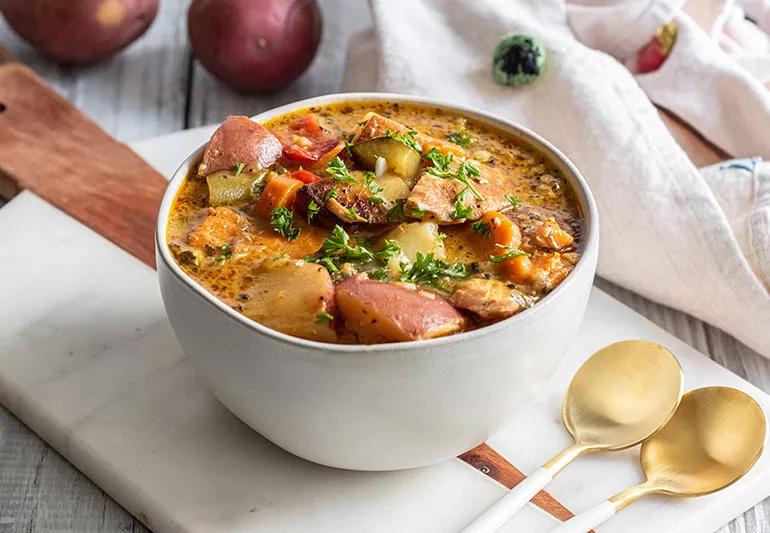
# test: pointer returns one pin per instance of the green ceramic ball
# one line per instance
(518, 60)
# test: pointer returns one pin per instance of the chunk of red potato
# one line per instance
(437, 196)
(220, 226)
(240, 140)
(383, 312)
(376, 125)
(489, 299)
(292, 297)
(548, 234)
(306, 141)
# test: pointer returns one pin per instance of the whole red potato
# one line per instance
(255, 45)
(79, 31)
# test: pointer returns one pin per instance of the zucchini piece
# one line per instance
(225, 188)
(402, 159)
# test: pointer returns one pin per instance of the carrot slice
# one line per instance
(279, 192)
(517, 269)
(500, 227)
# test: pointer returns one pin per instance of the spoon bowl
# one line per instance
(724, 431)
(622, 394)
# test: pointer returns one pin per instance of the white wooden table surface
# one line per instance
(155, 87)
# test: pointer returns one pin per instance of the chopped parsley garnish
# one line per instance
(482, 228)
(225, 252)
(339, 172)
(281, 220)
(258, 186)
(417, 212)
(461, 210)
(405, 138)
(323, 318)
(380, 274)
(371, 184)
(331, 194)
(514, 200)
(312, 210)
(462, 138)
(376, 200)
(466, 172)
(336, 249)
(347, 138)
(511, 252)
(352, 213)
(391, 250)
(428, 271)
(238, 168)
(396, 213)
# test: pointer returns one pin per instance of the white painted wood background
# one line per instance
(155, 87)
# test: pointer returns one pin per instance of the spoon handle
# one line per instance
(496, 516)
(587, 520)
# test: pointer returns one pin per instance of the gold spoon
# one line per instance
(713, 439)
(621, 395)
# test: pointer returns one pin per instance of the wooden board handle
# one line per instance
(54, 150)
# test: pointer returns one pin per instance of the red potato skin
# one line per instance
(240, 140)
(383, 312)
(255, 45)
(79, 31)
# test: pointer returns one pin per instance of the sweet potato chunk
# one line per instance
(220, 226)
(383, 312)
(240, 140)
(292, 297)
(550, 235)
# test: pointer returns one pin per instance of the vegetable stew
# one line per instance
(369, 222)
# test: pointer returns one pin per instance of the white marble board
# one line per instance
(88, 361)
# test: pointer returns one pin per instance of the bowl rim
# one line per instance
(576, 180)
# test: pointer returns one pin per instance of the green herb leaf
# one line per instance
(281, 220)
(347, 138)
(511, 252)
(417, 212)
(461, 210)
(323, 318)
(462, 138)
(225, 252)
(428, 271)
(258, 186)
(391, 250)
(466, 172)
(339, 172)
(238, 168)
(352, 213)
(380, 274)
(514, 200)
(331, 194)
(396, 213)
(481, 228)
(371, 184)
(376, 200)
(405, 138)
(312, 210)
(336, 249)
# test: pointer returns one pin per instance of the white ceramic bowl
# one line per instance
(386, 406)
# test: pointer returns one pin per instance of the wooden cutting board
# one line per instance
(50, 148)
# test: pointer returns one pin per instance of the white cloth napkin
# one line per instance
(696, 241)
